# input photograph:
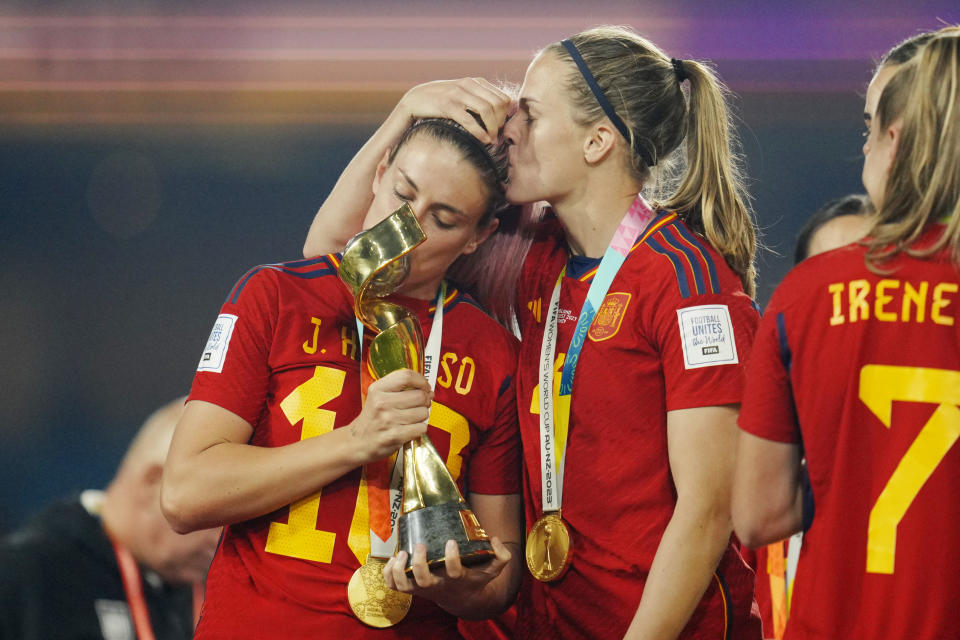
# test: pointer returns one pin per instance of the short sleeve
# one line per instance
(768, 409)
(234, 369)
(495, 466)
(704, 342)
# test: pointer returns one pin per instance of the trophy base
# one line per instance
(434, 525)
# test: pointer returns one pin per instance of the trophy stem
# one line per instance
(426, 480)
(434, 510)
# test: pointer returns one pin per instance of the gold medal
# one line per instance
(549, 548)
(373, 602)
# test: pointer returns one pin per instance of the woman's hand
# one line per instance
(341, 215)
(452, 587)
(475, 103)
(395, 411)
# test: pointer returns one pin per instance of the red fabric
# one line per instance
(618, 492)
(250, 590)
(851, 454)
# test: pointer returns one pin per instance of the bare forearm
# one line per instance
(767, 503)
(689, 551)
(341, 215)
(231, 482)
(757, 527)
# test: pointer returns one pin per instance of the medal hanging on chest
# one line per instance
(549, 548)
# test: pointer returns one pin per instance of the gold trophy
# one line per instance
(375, 263)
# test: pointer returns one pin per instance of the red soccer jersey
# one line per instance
(284, 357)
(618, 493)
(864, 370)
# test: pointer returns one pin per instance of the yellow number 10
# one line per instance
(299, 536)
(880, 385)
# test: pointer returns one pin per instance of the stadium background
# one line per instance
(150, 152)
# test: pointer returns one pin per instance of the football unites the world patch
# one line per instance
(706, 333)
(215, 353)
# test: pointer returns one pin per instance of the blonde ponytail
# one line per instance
(923, 185)
(644, 87)
(711, 197)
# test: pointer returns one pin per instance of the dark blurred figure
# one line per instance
(105, 564)
(837, 223)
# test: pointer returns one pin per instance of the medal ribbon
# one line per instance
(133, 588)
(555, 418)
(130, 576)
(383, 494)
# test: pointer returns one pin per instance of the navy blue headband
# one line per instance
(602, 99)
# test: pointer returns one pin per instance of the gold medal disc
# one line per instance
(548, 548)
(373, 602)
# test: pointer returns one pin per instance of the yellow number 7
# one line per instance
(880, 385)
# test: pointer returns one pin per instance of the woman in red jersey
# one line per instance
(857, 367)
(627, 477)
(838, 223)
(275, 444)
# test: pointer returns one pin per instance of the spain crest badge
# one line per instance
(609, 316)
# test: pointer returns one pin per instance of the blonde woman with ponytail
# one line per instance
(645, 432)
(857, 367)
(628, 473)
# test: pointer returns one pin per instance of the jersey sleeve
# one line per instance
(768, 408)
(234, 370)
(495, 468)
(704, 342)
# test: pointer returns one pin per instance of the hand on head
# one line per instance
(477, 105)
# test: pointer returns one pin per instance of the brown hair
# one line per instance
(490, 273)
(923, 185)
(489, 160)
(645, 89)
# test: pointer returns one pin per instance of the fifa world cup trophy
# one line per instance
(375, 263)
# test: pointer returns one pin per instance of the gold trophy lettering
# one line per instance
(375, 263)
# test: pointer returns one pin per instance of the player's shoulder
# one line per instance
(476, 322)
(281, 274)
(676, 262)
(812, 274)
(547, 241)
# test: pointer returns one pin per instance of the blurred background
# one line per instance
(150, 152)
